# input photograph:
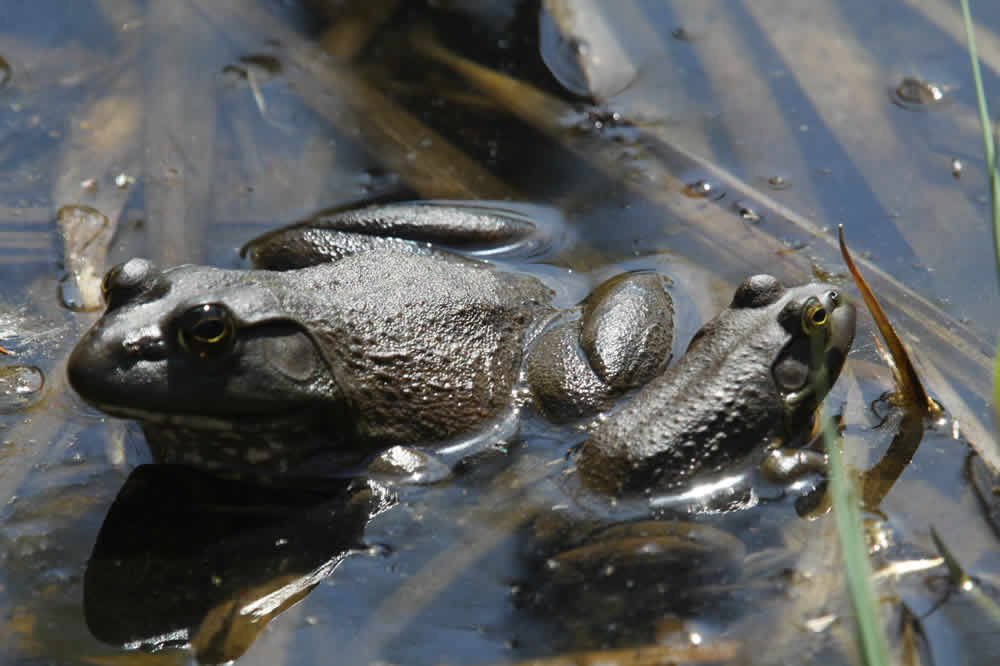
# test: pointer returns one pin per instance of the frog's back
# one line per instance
(693, 415)
(431, 346)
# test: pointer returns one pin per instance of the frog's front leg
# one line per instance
(786, 466)
(621, 340)
(416, 227)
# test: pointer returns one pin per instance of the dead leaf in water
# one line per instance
(910, 387)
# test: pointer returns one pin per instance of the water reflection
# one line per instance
(631, 577)
(184, 557)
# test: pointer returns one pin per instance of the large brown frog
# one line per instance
(359, 332)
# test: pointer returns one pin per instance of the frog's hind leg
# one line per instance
(621, 340)
(417, 227)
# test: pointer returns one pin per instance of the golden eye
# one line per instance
(207, 331)
(814, 316)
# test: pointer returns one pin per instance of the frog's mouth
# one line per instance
(233, 423)
(194, 421)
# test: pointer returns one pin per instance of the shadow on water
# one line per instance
(878, 222)
(184, 557)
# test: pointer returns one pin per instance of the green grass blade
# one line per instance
(989, 148)
(872, 643)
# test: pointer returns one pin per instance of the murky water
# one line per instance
(731, 138)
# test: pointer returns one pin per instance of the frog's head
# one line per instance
(813, 331)
(200, 348)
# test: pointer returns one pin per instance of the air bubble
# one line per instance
(746, 211)
(704, 189)
(915, 94)
(778, 182)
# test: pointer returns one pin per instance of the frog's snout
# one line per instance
(844, 319)
(106, 355)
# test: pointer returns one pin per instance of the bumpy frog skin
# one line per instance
(353, 337)
(760, 368)
(358, 332)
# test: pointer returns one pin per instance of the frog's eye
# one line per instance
(814, 316)
(207, 331)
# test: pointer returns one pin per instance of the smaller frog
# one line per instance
(357, 332)
(757, 370)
